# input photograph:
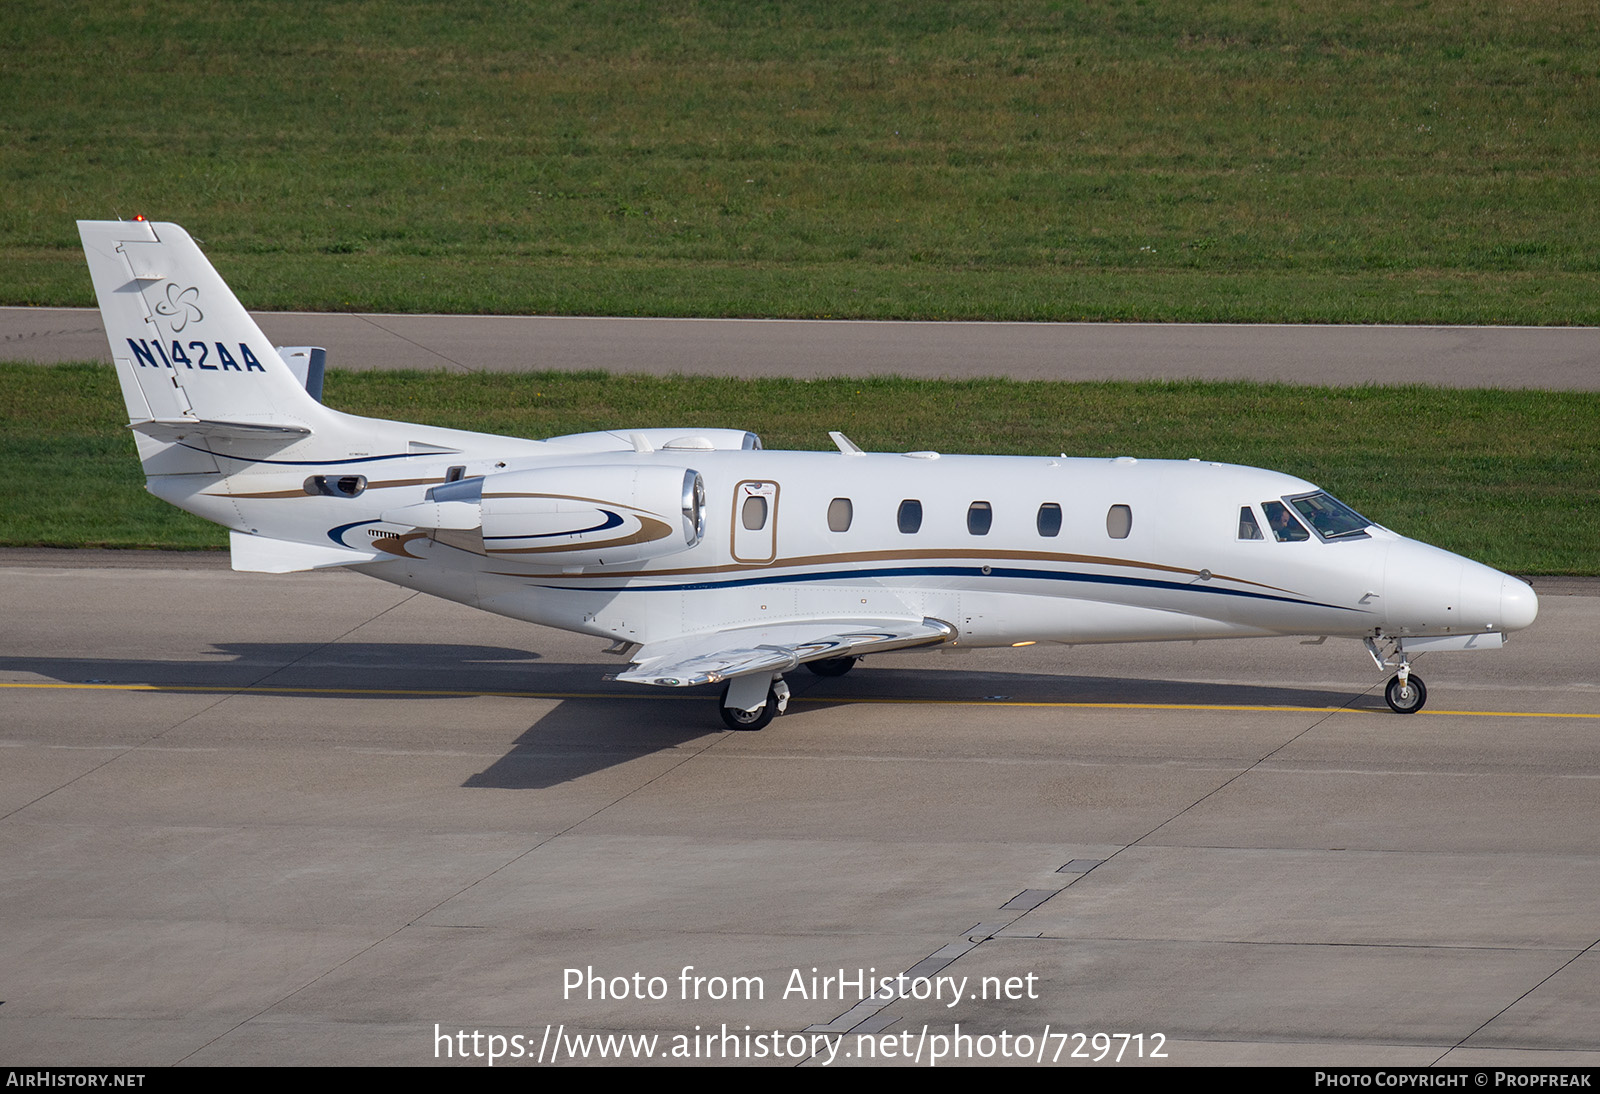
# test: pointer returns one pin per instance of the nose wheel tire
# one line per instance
(1407, 699)
(831, 666)
(751, 720)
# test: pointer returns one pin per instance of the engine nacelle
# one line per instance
(661, 440)
(578, 516)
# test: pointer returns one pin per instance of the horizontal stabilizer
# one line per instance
(723, 655)
(177, 429)
(260, 555)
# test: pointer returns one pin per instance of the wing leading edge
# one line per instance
(724, 655)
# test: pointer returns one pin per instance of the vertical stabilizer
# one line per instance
(186, 351)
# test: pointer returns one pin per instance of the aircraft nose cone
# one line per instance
(1519, 604)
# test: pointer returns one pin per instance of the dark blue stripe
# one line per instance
(611, 521)
(954, 571)
(310, 463)
(337, 534)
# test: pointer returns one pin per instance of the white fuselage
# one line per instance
(1181, 571)
(711, 561)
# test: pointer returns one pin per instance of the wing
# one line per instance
(721, 655)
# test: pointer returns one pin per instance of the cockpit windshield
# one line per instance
(1285, 529)
(1329, 517)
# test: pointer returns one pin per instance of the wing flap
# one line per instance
(722, 655)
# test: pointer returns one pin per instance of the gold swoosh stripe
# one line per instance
(300, 493)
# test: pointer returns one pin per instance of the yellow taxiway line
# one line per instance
(440, 693)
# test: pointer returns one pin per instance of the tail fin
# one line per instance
(190, 359)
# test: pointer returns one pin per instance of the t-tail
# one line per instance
(233, 429)
(197, 373)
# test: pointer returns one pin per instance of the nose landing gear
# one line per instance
(1405, 693)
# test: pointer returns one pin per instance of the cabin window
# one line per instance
(753, 513)
(1248, 528)
(980, 515)
(1119, 521)
(840, 514)
(910, 516)
(336, 486)
(1049, 519)
(1285, 529)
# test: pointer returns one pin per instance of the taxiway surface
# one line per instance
(1552, 358)
(317, 819)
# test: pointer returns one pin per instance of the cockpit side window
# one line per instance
(1331, 518)
(1248, 528)
(1284, 527)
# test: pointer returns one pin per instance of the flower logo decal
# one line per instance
(180, 306)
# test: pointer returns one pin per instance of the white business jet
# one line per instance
(708, 560)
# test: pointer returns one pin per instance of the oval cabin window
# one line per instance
(980, 517)
(753, 514)
(910, 516)
(1119, 521)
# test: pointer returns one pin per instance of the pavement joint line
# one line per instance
(1557, 971)
(412, 341)
(1313, 724)
(468, 693)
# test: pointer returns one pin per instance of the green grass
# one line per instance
(1505, 477)
(1363, 161)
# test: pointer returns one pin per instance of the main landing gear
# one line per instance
(743, 707)
(1405, 693)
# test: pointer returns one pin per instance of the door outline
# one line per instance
(754, 545)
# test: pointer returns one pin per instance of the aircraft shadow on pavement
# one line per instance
(401, 670)
(375, 670)
(597, 723)
(943, 684)
(580, 738)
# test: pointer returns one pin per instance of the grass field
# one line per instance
(1505, 477)
(1360, 161)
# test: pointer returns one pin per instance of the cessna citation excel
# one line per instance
(708, 560)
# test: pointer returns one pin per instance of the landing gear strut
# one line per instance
(745, 691)
(1405, 692)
